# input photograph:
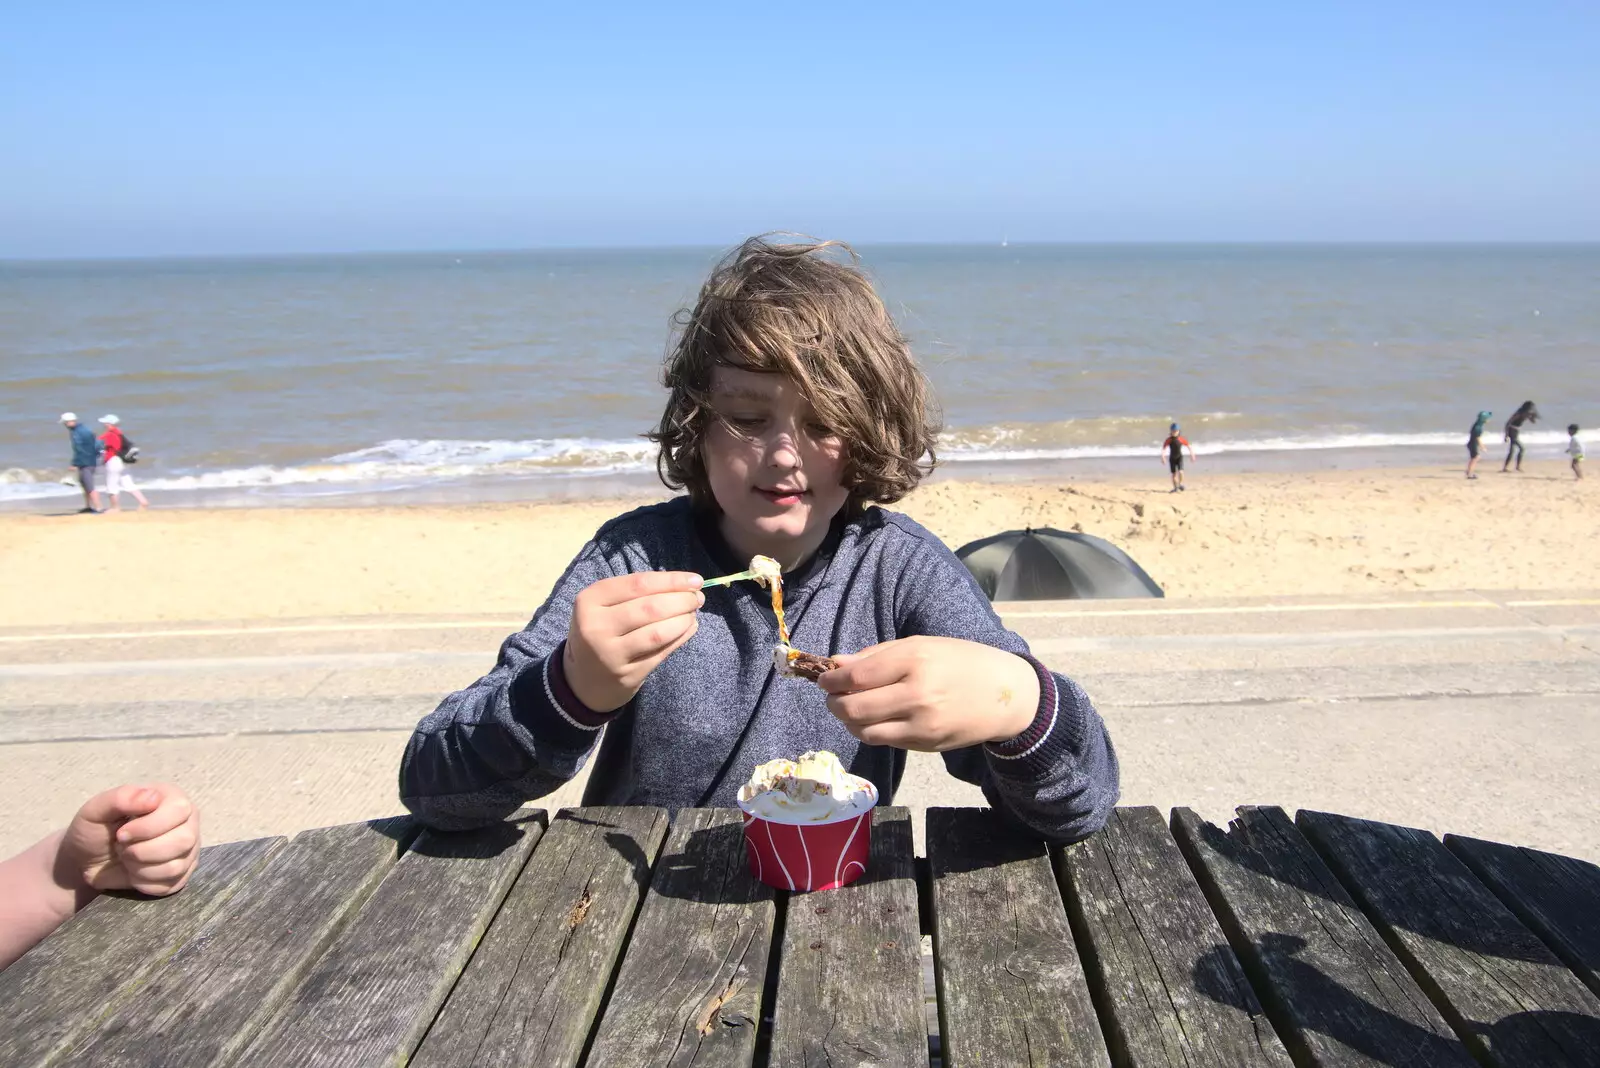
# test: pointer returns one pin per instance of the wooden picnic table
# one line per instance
(625, 936)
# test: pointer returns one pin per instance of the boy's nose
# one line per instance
(784, 453)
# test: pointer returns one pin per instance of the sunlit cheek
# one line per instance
(827, 464)
(726, 455)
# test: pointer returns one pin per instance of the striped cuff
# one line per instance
(544, 703)
(563, 700)
(1056, 734)
(1038, 732)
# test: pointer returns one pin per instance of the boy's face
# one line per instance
(773, 469)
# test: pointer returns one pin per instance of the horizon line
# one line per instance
(715, 246)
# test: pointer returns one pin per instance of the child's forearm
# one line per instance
(35, 898)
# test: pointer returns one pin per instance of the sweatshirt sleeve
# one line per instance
(1059, 777)
(516, 734)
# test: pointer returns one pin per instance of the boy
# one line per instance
(143, 838)
(1575, 450)
(1475, 442)
(1173, 448)
(794, 404)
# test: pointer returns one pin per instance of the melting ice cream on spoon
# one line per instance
(789, 661)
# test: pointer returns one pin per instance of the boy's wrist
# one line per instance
(71, 890)
(1020, 706)
(567, 698)
(594, 699)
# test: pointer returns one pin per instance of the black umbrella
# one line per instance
(1045, 564)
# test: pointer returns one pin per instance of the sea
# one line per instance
(501, 375)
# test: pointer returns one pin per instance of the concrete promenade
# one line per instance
(1477, 713)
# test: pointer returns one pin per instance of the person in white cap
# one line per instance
(85, 456)
(117, 477)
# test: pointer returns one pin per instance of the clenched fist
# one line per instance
(143, 838)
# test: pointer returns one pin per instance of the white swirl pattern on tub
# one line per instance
(778, 855)
(844, 850)
(750, 847)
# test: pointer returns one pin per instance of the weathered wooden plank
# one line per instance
(1011, 987)
(689, 990)
(1557, 897)
(1333, 988)
(850, 976)
(1169, 988)
(1502, 989)
(66, 984)
(212, 997)
(370, 998)
(533, 988)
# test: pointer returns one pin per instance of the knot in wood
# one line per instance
(579, 911)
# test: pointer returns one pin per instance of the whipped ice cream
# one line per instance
(766, 570)
(814, 789)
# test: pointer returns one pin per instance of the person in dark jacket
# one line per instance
(1525, 414)
(85, 457)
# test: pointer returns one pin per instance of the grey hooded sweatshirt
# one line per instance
(716, 707)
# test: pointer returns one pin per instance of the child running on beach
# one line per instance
(794, 406)
(1575, 450)
(1172, 449)
(1527, 413)
(1475, 442)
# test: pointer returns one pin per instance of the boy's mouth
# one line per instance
(781, 496)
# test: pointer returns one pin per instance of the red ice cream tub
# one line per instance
(810, 855)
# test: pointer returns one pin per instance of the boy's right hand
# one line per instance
(622, 628)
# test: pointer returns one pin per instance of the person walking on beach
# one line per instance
(1575, 450)
(1528, 413)
(1173, 448)
(85, 455)
(1475, 442)
(115, 459)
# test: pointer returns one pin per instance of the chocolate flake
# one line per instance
(809, 665)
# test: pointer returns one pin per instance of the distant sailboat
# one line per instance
(1003, 241)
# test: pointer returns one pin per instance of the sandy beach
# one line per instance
(1330, 640)
(1338, 532)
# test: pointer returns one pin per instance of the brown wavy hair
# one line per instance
(793, 309)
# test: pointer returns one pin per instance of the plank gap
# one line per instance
(1556, 897)
(1094, 971)
(1271, 997)
(769, 986)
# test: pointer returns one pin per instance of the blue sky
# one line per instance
(136, 129)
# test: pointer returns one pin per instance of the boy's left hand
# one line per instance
(932, 694)
(143, 838)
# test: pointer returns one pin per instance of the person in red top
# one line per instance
(1172, 450)
(117, 478)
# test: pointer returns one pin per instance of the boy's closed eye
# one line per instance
(751, 422)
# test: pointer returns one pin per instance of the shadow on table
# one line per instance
(718, 850)
(487, 841)
(1330, 1009)
(621, 842)
(1484, 940)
